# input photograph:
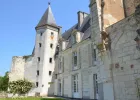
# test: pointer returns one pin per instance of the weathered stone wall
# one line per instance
(22, 68)
(113, 11)
(125, 58)
(17, 68)
(130, 5)
(85, 71)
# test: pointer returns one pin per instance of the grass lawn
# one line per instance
(30, 99)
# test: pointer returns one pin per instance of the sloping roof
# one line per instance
(84, 31)
(85, 25)
(67, 34)
(47, 18)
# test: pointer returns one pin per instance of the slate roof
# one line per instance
(67, 34)
(47, 18)
(84, 30)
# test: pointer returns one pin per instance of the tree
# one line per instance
(20, 87)
(4, 82)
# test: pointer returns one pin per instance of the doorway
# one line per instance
(95, 81)
(75, 86)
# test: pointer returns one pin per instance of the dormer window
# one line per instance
(73, 38)
(76, 37)
(41, 34)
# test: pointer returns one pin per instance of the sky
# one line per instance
(18, 19)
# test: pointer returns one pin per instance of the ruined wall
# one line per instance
(130, 5)
(29, 72)
(125, 57)
(17, 68)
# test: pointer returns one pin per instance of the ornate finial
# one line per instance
(49, 3)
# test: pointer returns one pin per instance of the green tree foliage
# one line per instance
(20, 87)
(4, 82)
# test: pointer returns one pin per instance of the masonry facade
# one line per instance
(97, 58)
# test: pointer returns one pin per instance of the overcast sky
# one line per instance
(18, 19)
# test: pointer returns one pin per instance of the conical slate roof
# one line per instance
(47, 18)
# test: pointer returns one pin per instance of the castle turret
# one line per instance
(47, 33)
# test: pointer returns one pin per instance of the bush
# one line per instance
(20, 87)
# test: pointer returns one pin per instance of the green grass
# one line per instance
(30, 99)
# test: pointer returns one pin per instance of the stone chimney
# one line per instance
(81, 16)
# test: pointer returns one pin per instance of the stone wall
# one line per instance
(17, 68)
(130, 5)
(125, 58)
(85, 71)
(3, 95)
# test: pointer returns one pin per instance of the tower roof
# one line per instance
(47, 18)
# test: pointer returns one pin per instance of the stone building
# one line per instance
(97, 58)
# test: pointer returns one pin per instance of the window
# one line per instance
(55, 76)
(41, 34)
(37, 84)
(75, 83)
(38, 72)
(74, 38)
(95, 83)
(40, 44)
(38, 59)
(60, 62)
(94, 56)
(50, 60)
(51, 45)
(50, 73)
(52, 34)
(75, 59)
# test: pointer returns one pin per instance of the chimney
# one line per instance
(81, 16)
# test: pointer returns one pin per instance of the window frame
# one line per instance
(60, 64)
(38, 59)
(41, 33)
(50, 73)
(52, 33)
(75, 60)
(40, 45)
(51, 45)
(50, 60)
(37, 72)
(37, 84)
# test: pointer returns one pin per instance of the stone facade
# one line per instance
(125, 58)
(97, 58)
(130, 6)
